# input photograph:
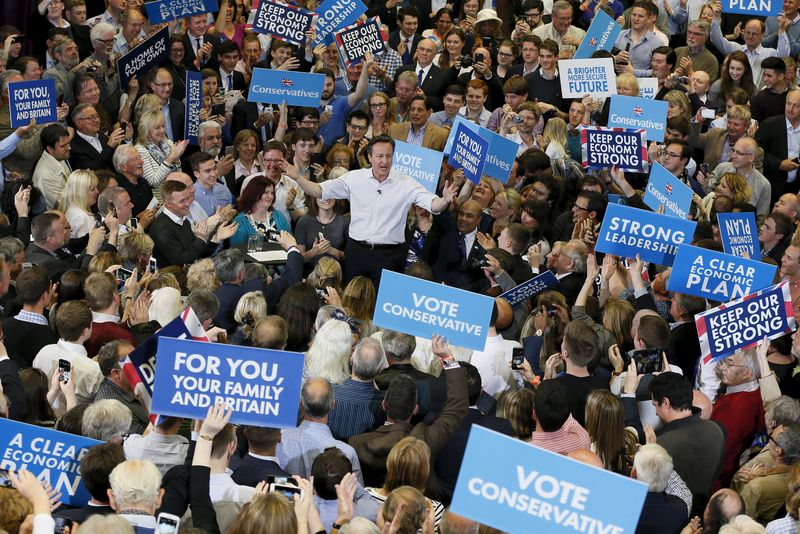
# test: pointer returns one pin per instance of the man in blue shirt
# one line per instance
(334, 109)
(209, 193)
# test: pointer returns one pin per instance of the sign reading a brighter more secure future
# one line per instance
(468, 152)
(604, 148)
(167, 10)
(335, 14)
(35, 99)
(581, 77)
(421, 308)
(271, 86)
(354, 42)
(502, 151)
(664, 189)
(520, 488)
(755, 8)
(739, 234)
(421, 164)
(143, 57)
(285, 22)
(194, 102)
(639, 113)
(601, 35)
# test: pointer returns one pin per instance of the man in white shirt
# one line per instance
(494, 361)
(52, 170)
(132, 22)
(289, 197)
(111, 15)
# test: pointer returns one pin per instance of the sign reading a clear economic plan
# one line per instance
(354, 42)
(502, 151)
(664, 189)
(519, 488)
(262, 386)
(739, 234)
(527, 289)
(716, 276)
(422, 164)
(601, 35)
(194, 102)
(595, 77)
(285, 22)
(760, 8)
(335, 14)
(51, 456)
(35, 99)
(271, 86)
(468, 152)
(639, 113)
(744, 322)
(421, 308)
(603, 148)
(143, 57)
(166, 10)
(628, 231)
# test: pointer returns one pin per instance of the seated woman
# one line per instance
(256, 215)
(160, 156)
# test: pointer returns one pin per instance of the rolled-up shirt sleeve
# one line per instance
(335, 189)
(422, 197)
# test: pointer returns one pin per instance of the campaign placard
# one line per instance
(143, 57)
(335, 14)
(194, 102)
(502, 151)
(262, 386)
(664, 189)
(517, 487)
(354, 42)
(617, 199)
(581, 77)
(532, 287)
(422, 164)
(35, 99)
(282, 21)
(648, 87)
(160, 11)
(639, 113)
(468, 152)
(50, 455)
(756, 8)
(421, 308)
(296, 88)
(628, 231)
(601, 35)
(717, 276)
(744, 322)
(739, 234)
(604, 148)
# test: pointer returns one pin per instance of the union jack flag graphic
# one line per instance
(592, 41)
(286, 82)
(669, 189)
(637, 110)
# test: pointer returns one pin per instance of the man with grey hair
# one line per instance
(561, 30)
(209, 140)
(106, 420)
(116, 200)
(67, 57)
(136, 492)
(89, 147)
(399, 348)
(130, 169)
(570, 266)
(696, 56)
(102, 37)
(299, 446)
(358, 401)
(661, 513)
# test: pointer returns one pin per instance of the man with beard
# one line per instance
(209, 140)
(66, 55)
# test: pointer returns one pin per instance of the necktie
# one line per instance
(407, 53)
(230, 82)
(462, 247)
(199, 42)
(419, 76)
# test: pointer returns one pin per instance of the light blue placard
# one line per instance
(284, 22)
(35, 99)
(421, 164)
(617, 199)
(520, 488)
(636, 113)
(296, 88)
(628, 231)
(421, 308)
(468, 152)
(261, 385)
(717, 276)
(146, 55)
(664, 189)
(335, 14)
(167, 10)
(50, 455)
(602, 35)
(755, 8)
(502, 151)
(739, 234)
(525, 290)
(194, 102)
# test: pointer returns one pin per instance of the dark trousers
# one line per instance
(364, 261)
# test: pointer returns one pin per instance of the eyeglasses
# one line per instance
(89, 118)
(740, 153)
(163, 84)
(378, 105)
(357, 127)
(672, 154)
(105, 41)
(533, 15)
(580, 208)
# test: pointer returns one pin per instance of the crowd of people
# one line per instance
(112, 224)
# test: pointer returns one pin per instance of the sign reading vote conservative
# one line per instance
(664, 189)
(602, 35)
(739, 234)
(166, 10)
(468, 152)
(760, 8)
(355, 41)
(194, 102)
(637, 113)
(35, 99)
(604, 148)
(271, 86)
(421, 164)
(502, 151)
(742, 323)
(285, 22)
(595, 77)
(143, 57)
(262, 386)
(717, 276)
(516, 487)
(52, 456)
(335, 14)
(423, 308)
(628, 231)
(527, 289)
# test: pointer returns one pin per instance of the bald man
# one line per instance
(460, 254)
(789, 205)
(741, 163)
(434, 80)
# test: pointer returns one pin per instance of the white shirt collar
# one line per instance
(72, 347)
(173, 217)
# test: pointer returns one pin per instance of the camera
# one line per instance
(682, 79)
(271, 236)
(466, 61)
(517, 119)
(647, 360)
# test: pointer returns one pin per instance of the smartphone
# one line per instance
(65, 368)
(479, 57)
(123, 125)
(287, 490)
(517, 356)
(133, 223)
(329, 108)
(797, 160)
(220, 92)
(627, 49)
(5, 480)
(60, 100)
(647, 360)
(275, 479)
(18, 38)
(167, 523)
(123, 274)
(229, 151)
(321, 236)
(62, 525)
(153, 265)
(153, 203)
(704, 168)
(708, 113)
(113, 209)
(517, 119)
(317, 158)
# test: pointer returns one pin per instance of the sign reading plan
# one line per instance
(756, 8)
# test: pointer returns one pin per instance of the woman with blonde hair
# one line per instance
(339, 156)
(103, 260)
(505, 209)
(516, 405)
(730, 185)
(136, 249)
(79, 195)
(415, 513)
(358, 300)
(160, 156)
(251, 308)
(329, 354)
(201, 276)
(268, 512)
(165, 304)
(554, 138)
(611, 441)
(679, 105)
(382, 113)
(327, 273)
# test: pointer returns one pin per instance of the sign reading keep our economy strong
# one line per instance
(194, 102)
(354, 42)
(284, 22)
(604, 148)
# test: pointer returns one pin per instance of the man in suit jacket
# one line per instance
(230, 79)
(52, 170)
(405, 39)
(256, 117)
(717, 141)
(460, 254)
(90, 149)
(49, 237)
(173, 110)
(434, 80)
(260, 461)
(683, 348)
(419, 130)
(196, 39)
(772, 136)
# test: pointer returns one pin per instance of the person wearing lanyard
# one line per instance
(379, 201)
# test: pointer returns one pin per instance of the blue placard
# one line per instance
(602, 35)
(335, 14)
(739, 234)
(421, 164)
(526, 290)
(285, 22)
(603, 148)
(261, 385)
(166, 10)
(664, 189)
(637, 113)
(194, 101)
(717, 276)
(520, 488)
(421, 308)
(617, 199)
(143, 57)
(502, 151)
(354, 42)
(468, 152)
(755, 8)
(50, 455)
(35, 99)
(296, 88)
(628, 231)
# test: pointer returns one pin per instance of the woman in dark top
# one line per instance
(321, 219)
(174, 64)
